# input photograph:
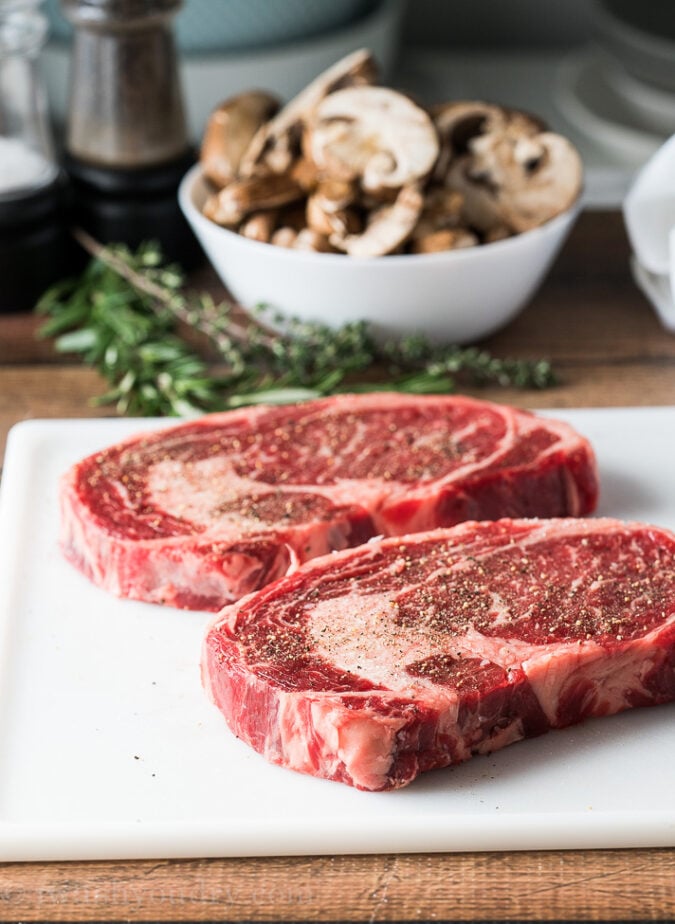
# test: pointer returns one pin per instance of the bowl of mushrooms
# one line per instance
(353, 202)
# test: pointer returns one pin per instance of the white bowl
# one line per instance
(458, 296)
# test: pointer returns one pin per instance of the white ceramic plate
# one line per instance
(111, 750)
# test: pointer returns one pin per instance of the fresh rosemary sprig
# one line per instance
(123, 316)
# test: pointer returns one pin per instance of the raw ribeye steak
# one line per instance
(198, 515)
(375, 664)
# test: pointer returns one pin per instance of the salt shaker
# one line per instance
(35, 248)
(127, 146)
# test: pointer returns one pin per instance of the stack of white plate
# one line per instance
(621, 92)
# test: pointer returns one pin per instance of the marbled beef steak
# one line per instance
(375, 664)
(200, 514)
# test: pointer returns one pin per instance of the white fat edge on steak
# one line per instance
(340, 736)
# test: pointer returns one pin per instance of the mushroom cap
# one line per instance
(458, 122)
(229, 131)
(462, 124)
(548, 181)
(273, 143)
(373, 134)
(516, 180)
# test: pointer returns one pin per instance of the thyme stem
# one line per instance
(206, 320)
(121, 317)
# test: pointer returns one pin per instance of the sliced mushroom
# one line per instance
(308, 239)
(340, 223)
(442, 209)
(229, 131)
(293, 216)
(232, 204)
(275, 143)
(457, 123)
(304, 172)
(329, 209)
(372, 134)
(498, 233)
(520, 182)
(387, 227)
(551, 182)
(335, 195)
(284, 237)
(447, 239)
(460, 123)
(480, 203)
(259, 226)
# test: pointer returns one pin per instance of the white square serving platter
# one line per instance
(110, 749)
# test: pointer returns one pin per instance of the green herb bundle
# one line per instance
(124, 317)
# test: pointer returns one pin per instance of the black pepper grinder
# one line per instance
(126, 144)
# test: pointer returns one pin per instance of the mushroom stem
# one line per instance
(387, 228)
(232, 204)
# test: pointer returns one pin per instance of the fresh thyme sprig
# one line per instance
(123, 316)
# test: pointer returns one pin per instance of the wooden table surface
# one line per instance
(609, 349)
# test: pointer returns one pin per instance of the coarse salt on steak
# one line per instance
(375, 664)
(198, 515)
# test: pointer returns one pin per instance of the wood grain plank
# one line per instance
(553, 885)
(34, 392)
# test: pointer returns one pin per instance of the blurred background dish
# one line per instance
(588, 98)
(649, 106)
(468, 49)
(205, 26)
(641, 35)
(281, 65)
